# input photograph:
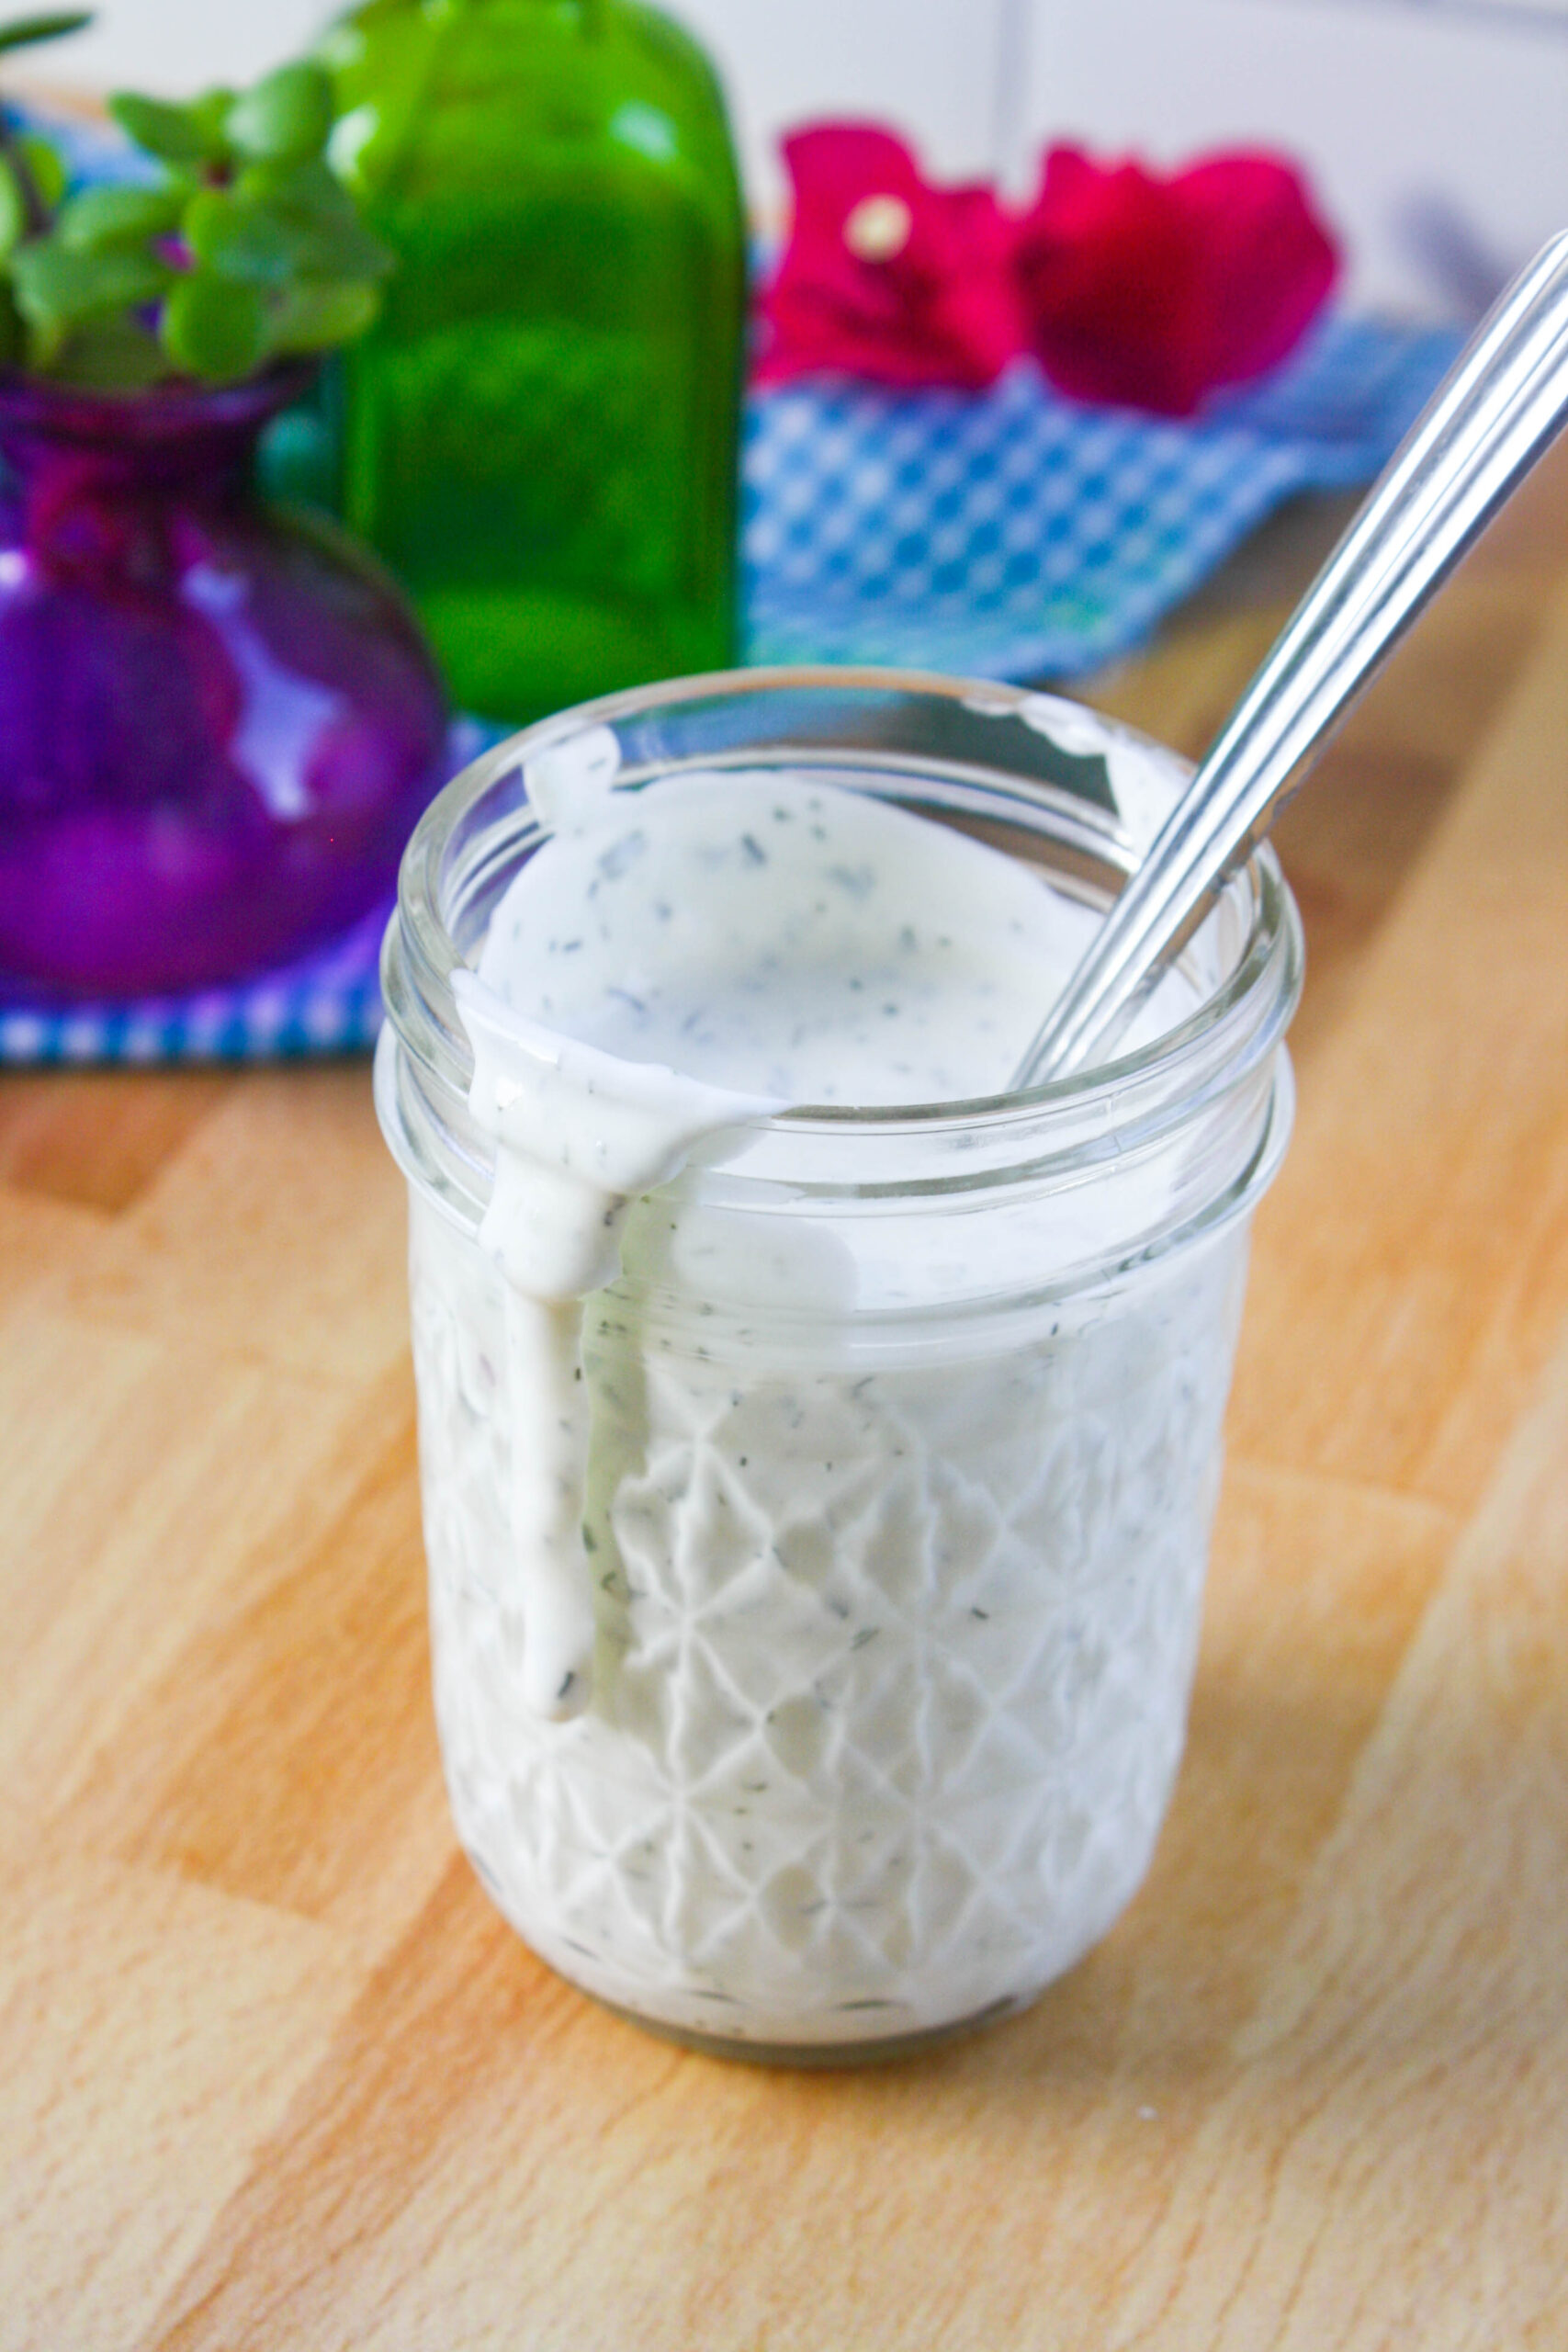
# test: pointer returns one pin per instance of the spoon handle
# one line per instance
(1494, 414)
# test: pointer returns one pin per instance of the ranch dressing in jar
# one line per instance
(816, 1499)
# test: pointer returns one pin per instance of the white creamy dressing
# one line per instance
(777, 935)
(893, 1623)
(669, 967)
(579, 1135)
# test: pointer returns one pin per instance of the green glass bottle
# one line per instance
(540, 435)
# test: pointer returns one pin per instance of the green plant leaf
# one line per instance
(210, 113)
(98, 219)
(13, 335)
(215, 329)
(310, 193)
(57, 288)
(12, 208)
(261, 244)
(311, 186)
(115, 355)
(332, 241)
(342, 249)
(175, 135)
(47, 170)
(22, 31)
(285, 116)
(317, 317)
(239, 239)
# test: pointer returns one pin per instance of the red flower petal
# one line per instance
(1271, 263)
(884, 276)
(1151, 291)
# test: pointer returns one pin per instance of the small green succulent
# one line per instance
(247, 248)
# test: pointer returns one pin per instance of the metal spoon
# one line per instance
(1494, 414)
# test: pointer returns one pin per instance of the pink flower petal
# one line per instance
(886, 277)
(1151, 291)
(1128, 286)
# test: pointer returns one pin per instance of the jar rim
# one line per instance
(1242, 1010)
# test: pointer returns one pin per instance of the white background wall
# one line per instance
(1437, 130)
(177, 46)
(1438, 136)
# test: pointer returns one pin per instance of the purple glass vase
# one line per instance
(218, 721)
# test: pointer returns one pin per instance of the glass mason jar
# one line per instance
(905, 1431)
(540, 434)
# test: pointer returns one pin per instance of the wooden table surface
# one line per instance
(272, 2073)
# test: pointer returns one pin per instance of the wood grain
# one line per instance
(271, 2072)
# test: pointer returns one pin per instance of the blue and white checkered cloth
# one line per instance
(1015, 534)
(327, 1003)
(1008, 534)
